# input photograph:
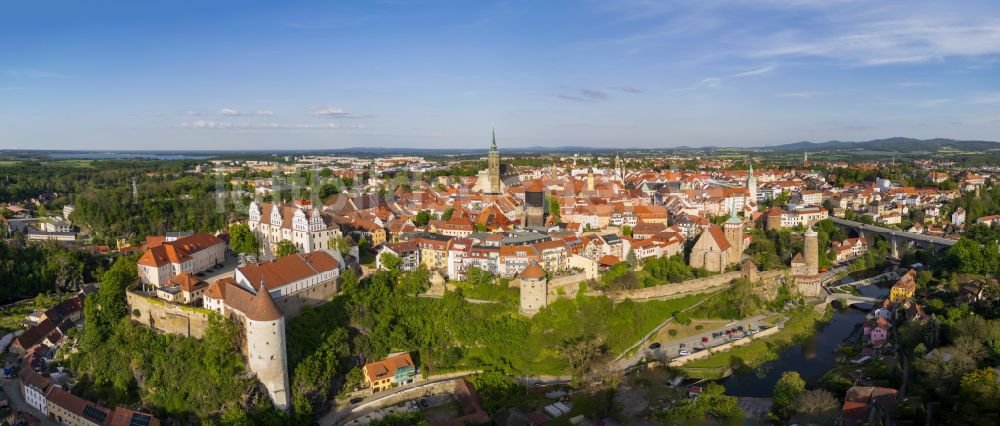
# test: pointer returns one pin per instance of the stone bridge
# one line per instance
(895, 237)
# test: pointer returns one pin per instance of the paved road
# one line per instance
(11, 387)
(645, 339)
(339, 412)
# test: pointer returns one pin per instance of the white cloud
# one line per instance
(336, 112)
(228, 125)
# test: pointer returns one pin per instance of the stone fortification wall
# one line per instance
(167, 317)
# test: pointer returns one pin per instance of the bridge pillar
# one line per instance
(894, 247)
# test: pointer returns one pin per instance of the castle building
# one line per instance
(192, 254)
(300, 222)
(261, 296)
(534, 206)
(293, 281)
(263, 326)
(534, 289)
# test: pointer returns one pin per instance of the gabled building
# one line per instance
(193, 254)
(300, 223)
(395, 370)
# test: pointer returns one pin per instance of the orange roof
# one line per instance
(178, 251)
(186, 282)
(609, 260)
(387, 367)
(720, 238)
(533, 272)
(288, 269)
(262, 307)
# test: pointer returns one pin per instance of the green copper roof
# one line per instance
(734, 219)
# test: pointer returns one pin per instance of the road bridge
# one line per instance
(895, 237)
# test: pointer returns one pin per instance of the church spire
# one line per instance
(494, 146)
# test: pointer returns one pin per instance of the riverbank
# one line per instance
(801, 323)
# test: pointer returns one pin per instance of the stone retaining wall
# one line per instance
(167, 317)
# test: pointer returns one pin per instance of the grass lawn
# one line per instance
(494, 292)
(10, 318)
(685, 331)
(802, 322)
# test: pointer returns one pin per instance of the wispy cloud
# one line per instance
(892, 41)
(630, 89)
(583, 95)
(229, 125)
(755, 71)
(799, 95)
(336, 112)
(231, 112)
(985, 98)
(931, 103)
(716, 82)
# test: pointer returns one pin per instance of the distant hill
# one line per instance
(897, 144)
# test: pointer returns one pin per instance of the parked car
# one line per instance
(356, 400)
(655, 346)
(704, 339)
(424, 403)
(683, 352)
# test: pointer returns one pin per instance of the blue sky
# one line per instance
(401, 73)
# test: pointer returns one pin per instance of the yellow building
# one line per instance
(905, 287)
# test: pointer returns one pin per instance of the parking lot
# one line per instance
(227, 270)
(708, 339)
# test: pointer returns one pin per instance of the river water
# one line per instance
(812, 358)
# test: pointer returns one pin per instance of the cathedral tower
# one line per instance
(493, 163)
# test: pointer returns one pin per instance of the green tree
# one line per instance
(390, 261)
(242, 239)
(787, 391)
(627, 231)
(554, 210)
(285, 248)
(447, 213)
(423, 217)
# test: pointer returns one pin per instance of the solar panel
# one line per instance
(95, 413)
(139, 420)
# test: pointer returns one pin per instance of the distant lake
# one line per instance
(125, 156)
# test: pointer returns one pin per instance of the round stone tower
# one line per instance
(265, 340)
(534, 289)
(810, 248)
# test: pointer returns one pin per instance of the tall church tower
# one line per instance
(752, 185)
(619, 170)
(590, 179)
(493, 163)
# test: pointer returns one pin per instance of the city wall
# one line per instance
(697, 285)
(167, 317)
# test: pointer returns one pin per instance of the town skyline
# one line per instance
(635, 74)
